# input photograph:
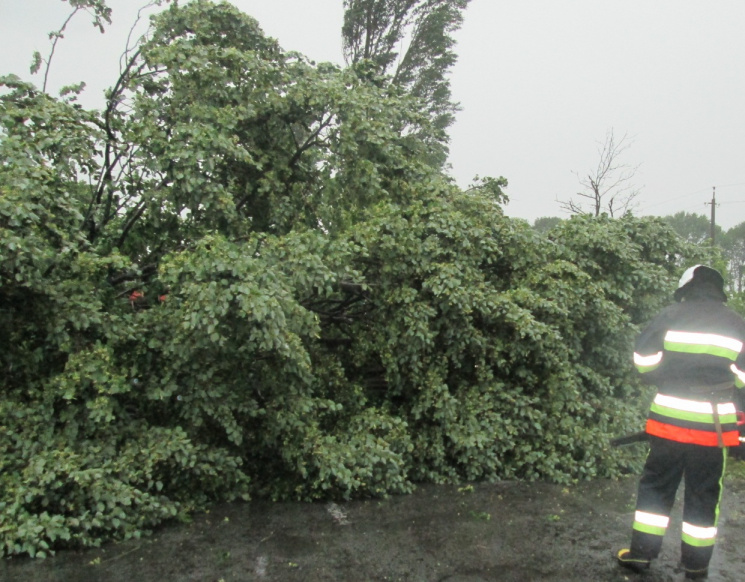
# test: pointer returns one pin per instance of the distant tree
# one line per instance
(733, 242)
(410, 42)
(609, 187)
(546, 223)
(693, 228)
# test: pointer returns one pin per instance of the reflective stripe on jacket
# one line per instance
(692, 421)
(694, 352)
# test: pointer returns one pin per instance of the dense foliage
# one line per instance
(242, 277)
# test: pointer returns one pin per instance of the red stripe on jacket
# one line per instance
(731, 438)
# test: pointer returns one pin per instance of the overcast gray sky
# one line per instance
(540, 83)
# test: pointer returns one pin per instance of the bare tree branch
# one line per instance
(609, 188)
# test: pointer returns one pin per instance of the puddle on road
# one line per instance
(503, 531)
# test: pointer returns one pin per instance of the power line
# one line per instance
(696, 193)
(644, 207)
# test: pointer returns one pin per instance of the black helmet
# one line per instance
(701, 281)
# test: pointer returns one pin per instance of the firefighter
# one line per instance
(693, 353)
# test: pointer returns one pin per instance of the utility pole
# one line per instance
(713, 214)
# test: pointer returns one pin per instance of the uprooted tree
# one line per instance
(244, 277)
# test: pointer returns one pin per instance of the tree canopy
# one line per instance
(546, 223)
(693, 228)
(410, 42)
(733, 243)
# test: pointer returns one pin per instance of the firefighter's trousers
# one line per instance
(702, 469)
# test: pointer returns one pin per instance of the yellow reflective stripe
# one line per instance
(739, 376)
(651, 519)
(698, 406)
(650, 523)
(709, 339)
(647, 363)
(698, 536)
(702, 533)
(703, 343)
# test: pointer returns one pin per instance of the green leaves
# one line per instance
(245, 277)
(35, 63)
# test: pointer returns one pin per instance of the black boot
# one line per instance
(626, 560)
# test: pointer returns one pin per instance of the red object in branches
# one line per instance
(134, 297)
